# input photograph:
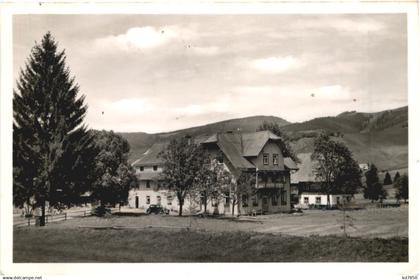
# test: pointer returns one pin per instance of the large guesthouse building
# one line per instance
(257, 153)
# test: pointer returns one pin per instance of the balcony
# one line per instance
(271, 180)
(270, 185)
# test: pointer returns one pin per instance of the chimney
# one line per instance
(189, 139)
(242, 142)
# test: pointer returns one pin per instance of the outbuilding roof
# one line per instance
(306, 170)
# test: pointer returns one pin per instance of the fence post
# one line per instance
(29, 222)
(65, 216)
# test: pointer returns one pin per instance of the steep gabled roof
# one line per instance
(150, 157)
(236, 148)
(290, 164)
(254, 142)
(230, 146)
(251, 143)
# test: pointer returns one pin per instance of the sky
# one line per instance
(157, 73)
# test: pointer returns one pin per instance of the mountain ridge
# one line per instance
(378, 137)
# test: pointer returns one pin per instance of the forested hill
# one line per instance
(381, 137)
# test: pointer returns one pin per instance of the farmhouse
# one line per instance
(258, 153)
(307, 186)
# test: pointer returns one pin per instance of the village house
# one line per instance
(306, 187)
(257, 152)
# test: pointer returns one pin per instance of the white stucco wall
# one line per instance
(324, 198)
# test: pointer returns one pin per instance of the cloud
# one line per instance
(143, 38)
(278, 93)
(331, 92)
(207, 51)
(366, 25)
(276, 64)
(125, 106)
(220, 105)
(342, 24)
(131, 105)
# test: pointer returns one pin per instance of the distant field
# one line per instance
(313, 236)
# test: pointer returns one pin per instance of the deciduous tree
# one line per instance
(211, 182)
(115, 176)
(243, 185)
(335, 167)
(183, 162)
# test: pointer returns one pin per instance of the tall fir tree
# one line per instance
(373, 190)
(396, 176)
(53, 156)
(401, 186)
(387, 180)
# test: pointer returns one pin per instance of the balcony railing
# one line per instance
(262, 185)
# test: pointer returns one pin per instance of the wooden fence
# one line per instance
(31, 221)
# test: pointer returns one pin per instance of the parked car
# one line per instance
(157, 209)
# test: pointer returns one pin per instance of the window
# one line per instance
(169, 199)
(141, 168)
(154, 167)
(318, 200)
(306, 200)
(265, 159)
(158, 200)
(338, 200)
(274, 200)
(148, 184)
(147, 199)
(244, 200)
(227, 200)
(219, 158)
(254, 201)
(275, 159)
(283, 197)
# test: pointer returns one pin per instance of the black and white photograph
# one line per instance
(210, 138)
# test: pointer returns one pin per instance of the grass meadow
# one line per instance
(149, 245)
(379, 235)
